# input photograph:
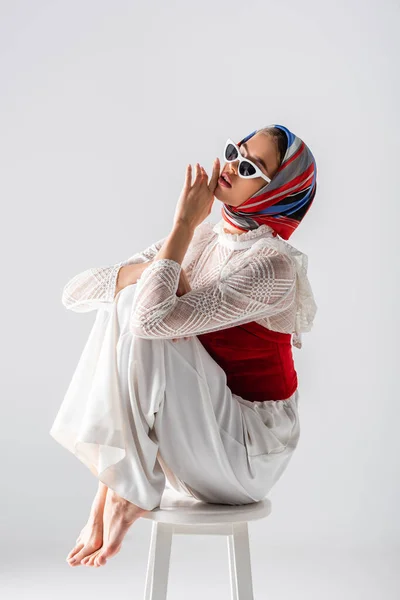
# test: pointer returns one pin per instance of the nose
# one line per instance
(233, 167)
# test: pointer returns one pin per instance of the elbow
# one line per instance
(137, 324)
(66, 299)
(152, 321)
(69, 296)
(139, 329)
(143, 327)
(71, 303)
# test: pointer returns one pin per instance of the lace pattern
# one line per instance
(235, 278)
(95, 287)
(262, 286)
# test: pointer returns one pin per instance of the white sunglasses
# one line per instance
(247, 169)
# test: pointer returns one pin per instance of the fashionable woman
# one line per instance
(187, 379)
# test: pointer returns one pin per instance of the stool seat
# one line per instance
(177, 509)
(180, 514)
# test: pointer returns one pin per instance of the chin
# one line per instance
(217, 195)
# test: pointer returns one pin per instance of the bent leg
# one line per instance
(156, 402)
(216, 445)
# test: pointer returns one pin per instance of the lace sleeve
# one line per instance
(95, 287)
(263, 286)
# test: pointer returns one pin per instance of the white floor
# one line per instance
(199, 569)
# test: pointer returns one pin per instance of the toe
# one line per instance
(89, 558)
(109, 551)
(84, 552)
(92, 558)
(100, 559)
(75, 550)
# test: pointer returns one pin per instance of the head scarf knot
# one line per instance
(285, 200)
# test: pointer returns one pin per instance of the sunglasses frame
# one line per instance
(241, 158)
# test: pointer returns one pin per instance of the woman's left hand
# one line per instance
(196, 200)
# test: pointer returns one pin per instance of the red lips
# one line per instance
(226, 177)
(223, 183)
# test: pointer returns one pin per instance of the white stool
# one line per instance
(186, 515)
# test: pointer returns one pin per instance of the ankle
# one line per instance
(101, 490)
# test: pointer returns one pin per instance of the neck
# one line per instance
(228, 228)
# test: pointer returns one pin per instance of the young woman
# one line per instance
(187, 379)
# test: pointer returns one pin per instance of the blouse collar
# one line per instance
(241, 240)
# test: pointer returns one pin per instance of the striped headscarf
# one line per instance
(284, 201)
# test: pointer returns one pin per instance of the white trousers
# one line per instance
(189, 432)
(158, 414)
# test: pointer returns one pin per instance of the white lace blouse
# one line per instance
(235, 279)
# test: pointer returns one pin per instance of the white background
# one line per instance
(103, 103)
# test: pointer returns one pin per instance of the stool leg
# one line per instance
(158, 562)
(240, 562)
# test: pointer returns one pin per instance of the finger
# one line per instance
(197, 179)
(215, 175)
(201, 180)
(188, 177)
(204, 175)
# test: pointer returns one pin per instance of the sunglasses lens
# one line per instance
(246, 169)
(231, 152)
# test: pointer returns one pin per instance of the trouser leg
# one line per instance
(182, 416)
(170, 405)
(138, 476)
(218, 446)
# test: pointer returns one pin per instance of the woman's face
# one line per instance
(263, 151)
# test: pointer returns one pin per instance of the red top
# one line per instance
(258, 362)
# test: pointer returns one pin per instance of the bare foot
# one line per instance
(90, 538)
(119, 514)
